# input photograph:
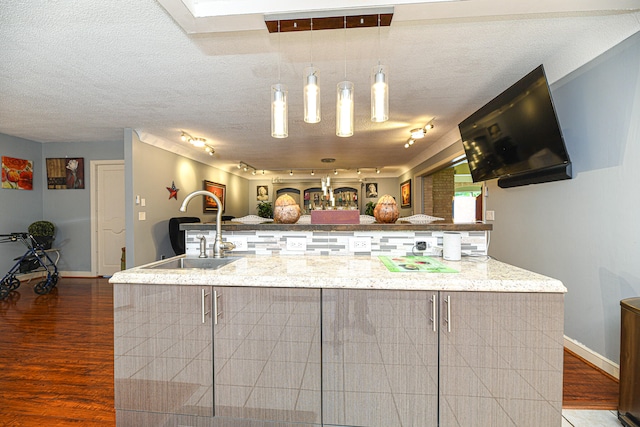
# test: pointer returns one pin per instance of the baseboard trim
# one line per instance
(597, 360)
(76, 274)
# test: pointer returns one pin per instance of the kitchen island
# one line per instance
(338, 341)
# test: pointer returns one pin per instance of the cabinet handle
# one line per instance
(216, 312)
(205, 294)
(434, 312)
(447, 301)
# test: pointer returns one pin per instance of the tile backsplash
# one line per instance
(336, 243)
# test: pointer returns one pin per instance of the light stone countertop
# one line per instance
(352, 272)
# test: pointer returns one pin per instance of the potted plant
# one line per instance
(43, 232)
(369, 209)
(265, 210)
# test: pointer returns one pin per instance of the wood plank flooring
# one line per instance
(585, 386)
(56, 359)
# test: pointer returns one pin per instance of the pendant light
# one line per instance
(344, 99)
(379, 89)
(279, 120)
(279, 110)
(311, 90)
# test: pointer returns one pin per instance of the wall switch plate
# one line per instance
(239, 241)
(142, 216)
(296, 244)
(359, 244)
(490, 215)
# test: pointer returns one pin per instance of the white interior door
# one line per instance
(108, 214)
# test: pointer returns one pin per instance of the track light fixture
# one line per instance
(418, 133)
(291, 172)
(197, 142)
(246, 167)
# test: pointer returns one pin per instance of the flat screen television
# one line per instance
(516, 136)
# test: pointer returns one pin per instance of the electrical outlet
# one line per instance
(429, 244)
(296, 244)
(490, 215)
(360, 244)
(240, 242)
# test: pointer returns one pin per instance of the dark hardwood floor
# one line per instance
(587, 387)
(56, 359)
(56, 356)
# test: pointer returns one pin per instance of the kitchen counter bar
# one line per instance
(234, 226)
(348, 272)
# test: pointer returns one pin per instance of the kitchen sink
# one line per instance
(190, 263)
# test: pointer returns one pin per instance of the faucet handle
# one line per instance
(203, 246)
(228, 246)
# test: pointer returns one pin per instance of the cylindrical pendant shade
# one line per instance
(279, 113)
(344, 109)
(379, 94)
(311, 96)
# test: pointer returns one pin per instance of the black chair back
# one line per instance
(175, 235)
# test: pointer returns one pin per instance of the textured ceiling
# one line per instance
(84, 70)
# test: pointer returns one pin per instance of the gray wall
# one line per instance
(585, 231)
(151, 170)
(19, 208)
(70, 210)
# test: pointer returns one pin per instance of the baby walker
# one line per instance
(34, 259)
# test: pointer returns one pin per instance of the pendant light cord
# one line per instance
(311, 50)
(279, 37)
(345, 46)
(378, 40)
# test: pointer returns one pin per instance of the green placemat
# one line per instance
(419, 264)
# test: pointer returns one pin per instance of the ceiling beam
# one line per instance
(328, 23)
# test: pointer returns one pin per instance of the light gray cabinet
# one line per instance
(501, 359)
(162, 350)
(337, 357)
(488, 359)
(267, 354)
(380, 358)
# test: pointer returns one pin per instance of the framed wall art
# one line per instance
(262, 193)
(17, 174)
(65, 173)
(372, 190)
(220, 190)
(405, 194)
